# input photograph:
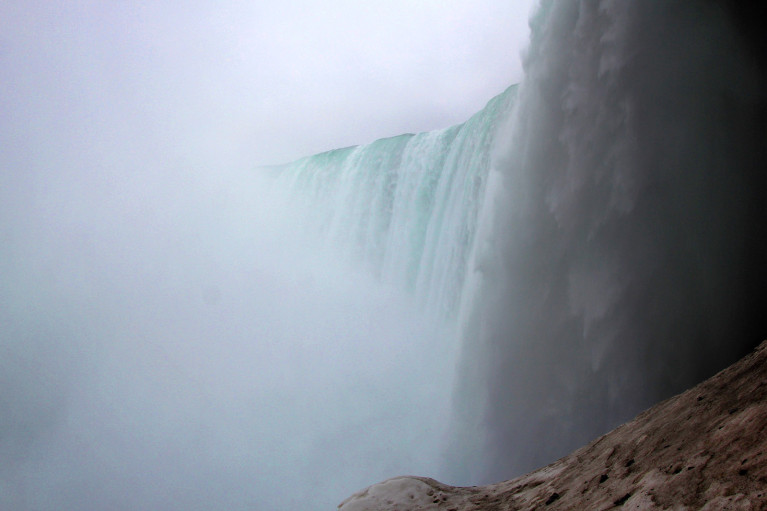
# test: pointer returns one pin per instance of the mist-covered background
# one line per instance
(170, 338)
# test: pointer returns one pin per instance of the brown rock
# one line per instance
(704, 449)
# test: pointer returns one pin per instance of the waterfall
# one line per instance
(626, 240)
(597, 232)
(405, 207)
(180, 332)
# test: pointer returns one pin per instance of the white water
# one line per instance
(404, 207)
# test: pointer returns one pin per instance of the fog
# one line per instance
(171, 337)
(191, 351)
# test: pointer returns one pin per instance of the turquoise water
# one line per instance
(405, 207)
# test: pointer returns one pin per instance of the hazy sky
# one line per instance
(267, 81)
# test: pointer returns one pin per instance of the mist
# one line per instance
(173, 341)
(171, 336)
(183, 329)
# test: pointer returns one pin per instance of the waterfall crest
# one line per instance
(406, 207)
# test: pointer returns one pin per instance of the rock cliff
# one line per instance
(703, 449)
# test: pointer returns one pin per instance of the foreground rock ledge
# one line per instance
(703, 449)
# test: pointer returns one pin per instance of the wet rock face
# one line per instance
(703, 449)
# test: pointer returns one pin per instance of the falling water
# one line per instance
(405, 207)
(598, 234)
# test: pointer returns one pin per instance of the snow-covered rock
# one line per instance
(397, 493)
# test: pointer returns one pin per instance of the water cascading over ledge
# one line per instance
(626, 254)
(406, 207)
(599, 233)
